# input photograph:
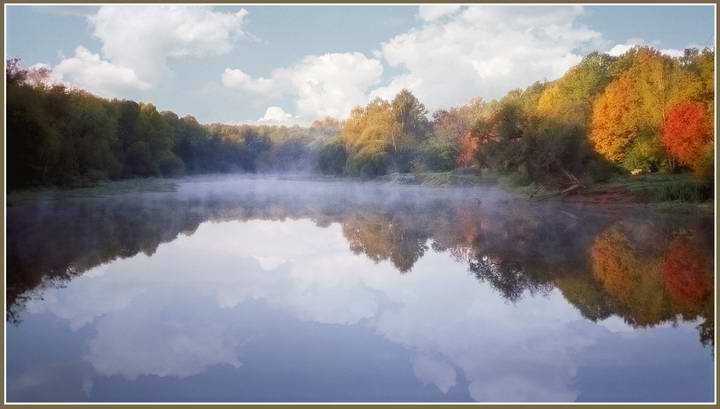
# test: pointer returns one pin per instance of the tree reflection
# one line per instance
(646, 270)
(652, 276)
(384, 236)
(685, 269)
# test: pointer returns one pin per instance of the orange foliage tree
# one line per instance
(628, 117)
(469, 146)
(612, 128)
(687, 131)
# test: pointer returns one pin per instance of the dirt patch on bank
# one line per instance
(603, 197)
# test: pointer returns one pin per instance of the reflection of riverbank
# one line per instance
(268, 300)
(633, 265)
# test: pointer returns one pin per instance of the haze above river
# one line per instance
(272, 289)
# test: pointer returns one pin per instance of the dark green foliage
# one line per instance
(368, 164)
(676, 189)
(411, 115)
(63, 137)
(332, 158)
(439, 154)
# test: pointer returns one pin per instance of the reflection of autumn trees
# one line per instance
(646, 270)
(384, 236)
(630, 277)
(652, 276)
(685, 269)
(508, 277)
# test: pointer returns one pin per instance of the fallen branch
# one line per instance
(573, 179)
(535, 192)
(563, 192)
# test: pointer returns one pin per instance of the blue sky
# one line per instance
(284, 65)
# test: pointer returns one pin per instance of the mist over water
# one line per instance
(285, 288)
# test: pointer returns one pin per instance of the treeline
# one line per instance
(69, 137)
(639, 112)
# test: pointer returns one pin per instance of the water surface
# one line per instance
(263, 289)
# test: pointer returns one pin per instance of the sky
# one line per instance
(294, 64)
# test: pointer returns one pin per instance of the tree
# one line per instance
(369, 134)
(326, 128)
(452, 136)
(570, 98)
(410, 115)
(614, 126)
(332, 158)
(409, 129)
(628, 117)
(687, 131)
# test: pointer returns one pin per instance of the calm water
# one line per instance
(238, 289)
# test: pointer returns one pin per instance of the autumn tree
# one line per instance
(628, 116)
(474, 141)
(687, 131)
(452, 144)
(368, 134)
(569, 99)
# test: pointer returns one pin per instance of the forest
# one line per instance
(641, 112)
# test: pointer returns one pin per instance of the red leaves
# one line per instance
(685, 273)
(687, 130)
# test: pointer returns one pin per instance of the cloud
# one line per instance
(275, 116)
(332, 84)
(88, 71)
(485, 51)
(435, 11)
(432, 371)
(315, 277)
(138, 40)
(620, 49)
(672, 52)
(238, 80)
(319, 85)
(178, 348)
(144, 37)
(328, 284)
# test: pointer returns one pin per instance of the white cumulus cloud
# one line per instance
(238, 80)
(332, 84)
(620, 49)
(143, 37)
(88, 71)
(485, 51)
(276, 116)
(319, 85)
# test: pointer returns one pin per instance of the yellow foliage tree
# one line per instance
(633, 108)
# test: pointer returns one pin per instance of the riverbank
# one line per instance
(676, 193)
(668, 193)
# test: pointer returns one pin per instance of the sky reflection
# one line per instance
(302, 309)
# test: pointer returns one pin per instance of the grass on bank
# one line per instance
(101, 189)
